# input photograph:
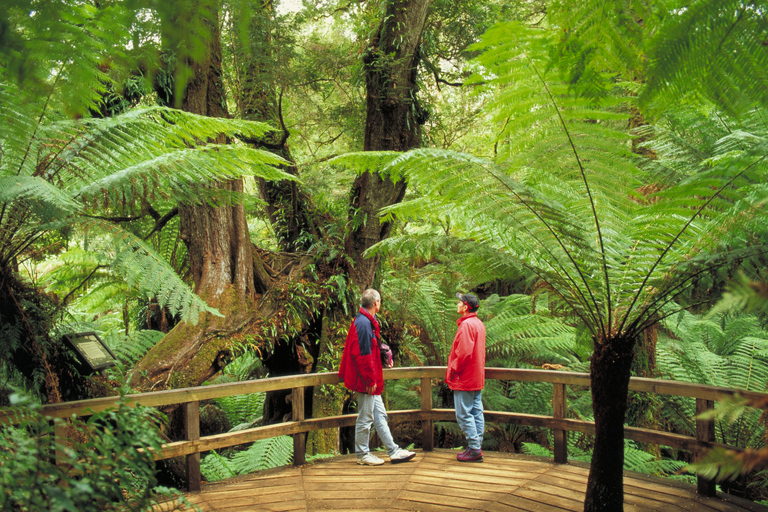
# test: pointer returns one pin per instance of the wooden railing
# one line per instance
(193, 445)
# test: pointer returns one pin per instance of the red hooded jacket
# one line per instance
(361, 360)
(466, 363)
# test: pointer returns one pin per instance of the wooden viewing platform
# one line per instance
(435, 481)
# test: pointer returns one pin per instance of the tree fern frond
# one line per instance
(264, 454)
(49, 201)
(144, 269)
(215, 467)
(710, 47)
(368, 161)
(242, 409)
(130, 349)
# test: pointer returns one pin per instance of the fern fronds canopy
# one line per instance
(65, 175)
(564, 200)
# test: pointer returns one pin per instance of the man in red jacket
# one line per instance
(465, 375)
(362, 370)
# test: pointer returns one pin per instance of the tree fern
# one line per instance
(565, 199)
(130, 349)
(53, 175)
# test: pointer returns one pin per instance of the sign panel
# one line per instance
(91, 351)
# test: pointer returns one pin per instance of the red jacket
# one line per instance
(361, 360)
(466, 363)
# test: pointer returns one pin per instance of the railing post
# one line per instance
(558, 412)
(60, 438)
(705, 431)
(427, 435)
(192, 433)
(300, 439)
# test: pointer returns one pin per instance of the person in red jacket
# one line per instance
(465, 375)
(362, 370)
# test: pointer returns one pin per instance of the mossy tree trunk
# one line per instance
(288, 207)
(220, 257)
(393, 120)
(610, 369)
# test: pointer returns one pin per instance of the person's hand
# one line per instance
(390, 365)
(370, 390)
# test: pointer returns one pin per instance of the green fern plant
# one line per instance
(714, 49)
(263, 454)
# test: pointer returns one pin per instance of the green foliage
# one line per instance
(635, 460)
(263, 454)
(728, 351)
(130, 349)
(562, 199)
(54, 175)
(111, 466)
(714, 49)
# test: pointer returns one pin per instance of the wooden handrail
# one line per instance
(192, 445)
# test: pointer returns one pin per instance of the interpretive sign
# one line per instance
(91, 351)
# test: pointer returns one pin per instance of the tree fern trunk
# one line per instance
(609, 375)
(393, 121)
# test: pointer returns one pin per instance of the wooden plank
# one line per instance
(550, 498)
(439, 483)
(705, 431)
(559, 412)
(524, 503)
(467, 484)
(179, 396)
(439, 499)
(344, 486)
(449, 491)
(299, 439)
(549, 485)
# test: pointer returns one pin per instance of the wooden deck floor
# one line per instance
(435, 481)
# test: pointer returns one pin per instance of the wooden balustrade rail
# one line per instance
(193, 445)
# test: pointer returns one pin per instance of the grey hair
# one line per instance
(369, 298)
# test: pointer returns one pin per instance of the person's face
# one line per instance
(461, 308)
(376, 306)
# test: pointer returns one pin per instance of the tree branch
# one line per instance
(66, 298)
(162, 221)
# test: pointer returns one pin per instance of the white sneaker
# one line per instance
(370, 459)
(401, 456)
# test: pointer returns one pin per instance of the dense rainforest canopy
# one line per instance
(209, 185)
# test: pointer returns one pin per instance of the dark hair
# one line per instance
(470, 300)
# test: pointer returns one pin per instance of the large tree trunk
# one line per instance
(609, 376)
(220, 257)
(393, 122)
(289, 208)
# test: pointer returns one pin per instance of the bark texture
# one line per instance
(220, 258)
(609, 376)
(393, 121)
(289, 208)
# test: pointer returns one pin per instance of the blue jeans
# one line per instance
(469, 416)
(370, 411)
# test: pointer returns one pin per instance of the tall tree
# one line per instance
(217, 239)
(393, 119)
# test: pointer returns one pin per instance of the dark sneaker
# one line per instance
(471, 456)
(462, 454)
